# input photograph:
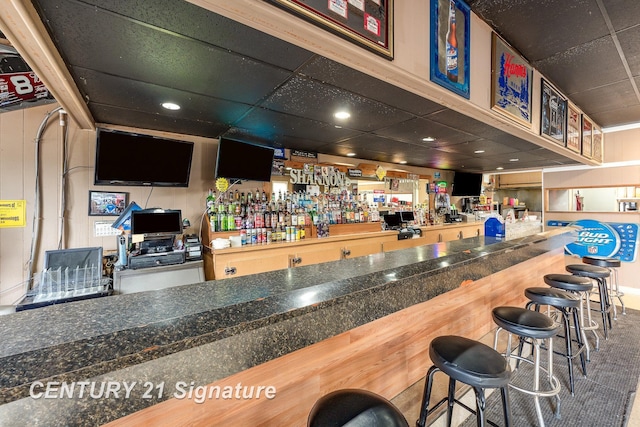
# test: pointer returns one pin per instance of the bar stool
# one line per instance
(568, 304)
(531, 327)
(355, 408)
(581, 286)
(614, 285)
(599, 274)
(472, 363)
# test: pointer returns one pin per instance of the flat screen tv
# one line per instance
(156, 222)
(244, 161)
(125, 158)
(467, 184)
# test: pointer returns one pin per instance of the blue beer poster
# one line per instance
(595, 238)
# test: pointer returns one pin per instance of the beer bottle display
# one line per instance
(452, 45)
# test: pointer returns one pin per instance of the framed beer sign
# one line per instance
(574, 129)
(450, 35)
(368, 23)
(511, 82)
(587, 130)
(596, 144)
(553, 114)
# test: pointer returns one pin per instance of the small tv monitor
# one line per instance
(72, 258)
(126, 158)
(466, 184)
(156, 222)
(392, 220)
(243, 161)
(407, 216)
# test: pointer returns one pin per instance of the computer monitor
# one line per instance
(392, 220)
(407, 216)
(72, 258)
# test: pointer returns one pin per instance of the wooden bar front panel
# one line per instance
(385, 356)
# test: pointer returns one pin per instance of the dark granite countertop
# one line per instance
(150, 334)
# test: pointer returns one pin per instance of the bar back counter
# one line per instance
(260, 349)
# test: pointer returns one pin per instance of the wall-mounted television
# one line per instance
(156, 222)
(243, 160)
(467, 184)
(126, 158)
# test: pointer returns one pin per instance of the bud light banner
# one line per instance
(595, 238)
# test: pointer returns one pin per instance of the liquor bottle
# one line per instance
(452, 45)
(210, 201)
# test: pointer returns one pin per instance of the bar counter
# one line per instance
(158, 343)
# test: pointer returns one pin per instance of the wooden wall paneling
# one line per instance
(385, 356)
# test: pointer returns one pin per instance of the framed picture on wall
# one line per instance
(587, 129)
(511, 82)
(450, 37)
(553, 114)
(367, 23)
(596, 144)
(574, 129)
(103, 203)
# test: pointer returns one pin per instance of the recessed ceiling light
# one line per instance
(479, 151)
(170, 106)
(428, 139)
(342, 115)
(514, 160)
(351, 154)
(403, 162)
(499, 168)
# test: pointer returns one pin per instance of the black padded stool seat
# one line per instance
(587, 270)
(531, 327)
(472, 363)
(614, 285)
(600, 275)
(569, 282)
(355, 408)
(568, 304)
(601, 261)
(582, 286)
(525, 323)
(553, 297)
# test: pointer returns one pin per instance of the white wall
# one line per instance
(17, 182)
(621, 169)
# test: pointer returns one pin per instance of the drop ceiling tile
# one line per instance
(134, 95)
(469, 125)
(310, 98)
(143, 120)
(623, 13)
(630, 43)
(412, 131)
(607, 98)
(339, 75)
(188, 20)
(538, 29)
(620, 116)
(275, 126)
(490, 148)
(589, 65)
(99, 40)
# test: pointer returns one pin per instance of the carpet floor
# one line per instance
(603, 398)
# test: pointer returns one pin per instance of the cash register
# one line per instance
(159, 228)
(401, 221)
